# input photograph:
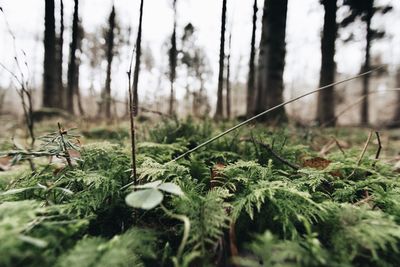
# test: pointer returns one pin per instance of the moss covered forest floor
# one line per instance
(260, 196)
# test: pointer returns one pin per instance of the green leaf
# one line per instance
(144, 199)
(171, 188)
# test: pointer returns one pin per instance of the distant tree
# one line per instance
(193, 58)
(81, 34)
(365, 10)
(220, 106)
(136, 72)
(326, 98)
(251, 80)
(106, 95)
(172, 62)
(59, 59)
(50, 92)
(396, 118)
(72, 64)
(228, 79)
(272, 60)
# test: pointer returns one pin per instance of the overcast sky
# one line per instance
(305, 18)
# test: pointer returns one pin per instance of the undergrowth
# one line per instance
(246, 206)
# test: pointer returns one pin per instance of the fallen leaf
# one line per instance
(316, 163)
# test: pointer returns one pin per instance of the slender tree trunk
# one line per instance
(110, 55)
(137, 63)
(228, 78)
(272, 60)
(72, 68)
(172, 63)
(78, 64)
(50, 93)
(251, 90)
(59, 58)
(366, 67)
(220, 106)
(326, 98)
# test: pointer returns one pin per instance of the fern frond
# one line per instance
(267, 250)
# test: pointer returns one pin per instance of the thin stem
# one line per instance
(67, 156)
(269, 110)
(132, 123)
(186, 229)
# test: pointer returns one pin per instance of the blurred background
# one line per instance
(180, 56)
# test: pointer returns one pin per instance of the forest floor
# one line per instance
(259, 196)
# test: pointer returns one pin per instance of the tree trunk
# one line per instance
(228, 82)
(172, 63)
(366, 67)
(326, 98)
(137, 63)
(252, 66)
(50, 93)
(59, 58)
(78, 64)
(72, 68)
(272, 60)
(110, 55)
(220, 106)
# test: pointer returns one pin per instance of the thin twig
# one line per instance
(271, 109)
(378, 152)
(67, 155)
(273, 153)
(364, 149)
(132, 122)
(339, 146)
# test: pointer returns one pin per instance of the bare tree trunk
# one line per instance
(137, 63)
(50, 93)
(220, 105)
(72, 68)
(396, 117)
(366, 67)
(78, 64)
(272, 60)
(59, 58)
(110, 55)
(172, 63)
(326, 98)
(251, 90)
(228, 82)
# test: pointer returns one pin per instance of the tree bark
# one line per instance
(110, 55)
(137, 63)
(228, 80)
(220, 106)
(326, 98)
(272, 60)
(251, 90)
(81, 34)
(367, 67)
(50, 93)
(72, 67)
(172, 63)
(59, 58)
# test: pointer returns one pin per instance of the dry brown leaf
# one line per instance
(316, 163)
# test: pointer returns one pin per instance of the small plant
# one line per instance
(149, 196)
(56, 144)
